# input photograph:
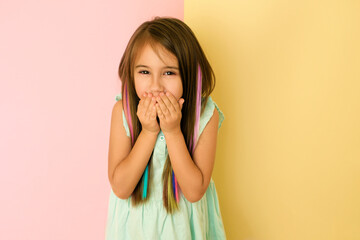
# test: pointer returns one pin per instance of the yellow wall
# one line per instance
(288, 82)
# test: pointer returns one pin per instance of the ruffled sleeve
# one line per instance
(117, 98)
(208, 112)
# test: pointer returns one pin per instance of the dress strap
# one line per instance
(125, 124)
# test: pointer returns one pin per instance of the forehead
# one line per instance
(150, 50)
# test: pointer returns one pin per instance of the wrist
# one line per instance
(173, 133)
(150, 133)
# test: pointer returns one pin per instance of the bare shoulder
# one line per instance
(118, 107)
(211, 128)
(117, 119)
(214, 120)
(119, 142)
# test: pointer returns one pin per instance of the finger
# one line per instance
(147, 103)
(181, 102)
(173, 101)
(159, 112)
(163, 107)
(144, 96)
(167, 101)
(153, 109)
(142, 99)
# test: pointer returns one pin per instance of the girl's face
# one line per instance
(154, 75)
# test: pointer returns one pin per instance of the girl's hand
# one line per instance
(146, 113)
(169, 112)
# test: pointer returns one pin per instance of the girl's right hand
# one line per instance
(146, 113)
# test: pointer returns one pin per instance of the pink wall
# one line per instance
(58, 71)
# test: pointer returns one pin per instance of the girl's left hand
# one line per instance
(168, 110)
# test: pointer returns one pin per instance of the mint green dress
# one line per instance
(199, 220)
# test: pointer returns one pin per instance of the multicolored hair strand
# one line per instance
(128, 115)
(196, 129)
(127, 110)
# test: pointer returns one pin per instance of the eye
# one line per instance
(169, 73)
(144, 72)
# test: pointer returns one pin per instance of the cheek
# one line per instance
(180, 91)
(176, 90)
(179, 88)
(139, 93)
(139, 88)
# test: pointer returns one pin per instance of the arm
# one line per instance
(126, 165)
(193, 175)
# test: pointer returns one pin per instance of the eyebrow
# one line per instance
(150, 67)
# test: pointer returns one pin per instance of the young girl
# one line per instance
(163, 138)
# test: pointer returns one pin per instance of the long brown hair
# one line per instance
(179, 39)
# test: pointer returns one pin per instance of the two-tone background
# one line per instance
(288, 157)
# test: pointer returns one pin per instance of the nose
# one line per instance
(156, 86)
